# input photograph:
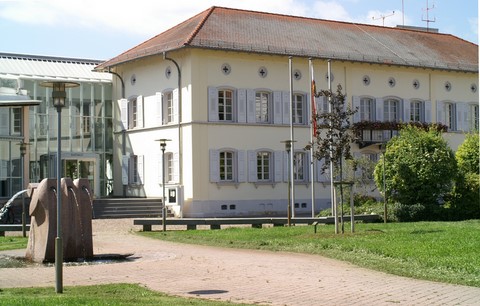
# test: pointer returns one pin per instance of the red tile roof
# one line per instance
(248, 31)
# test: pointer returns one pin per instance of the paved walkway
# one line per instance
(248, 276)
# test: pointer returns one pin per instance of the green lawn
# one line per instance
(113, 294)
(440, 251)
(12, 243)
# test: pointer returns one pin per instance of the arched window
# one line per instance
(264, 166)
(225, 105)
(417, 111)
(226, 166)
(391, 110)
(262, 107)
(367, 109)
(298, 111)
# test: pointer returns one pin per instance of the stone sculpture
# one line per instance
(76, 220)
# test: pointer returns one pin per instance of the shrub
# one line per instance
(467, 155)
(419, 168)
(464, 202)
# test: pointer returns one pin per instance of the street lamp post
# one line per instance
(288, 147)
(163, 144)
(23, 150)
(58, 95)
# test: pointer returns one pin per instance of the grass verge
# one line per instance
(113, 294)
(12, 243)
(439, 251)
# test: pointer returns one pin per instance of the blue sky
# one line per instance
(102, 29)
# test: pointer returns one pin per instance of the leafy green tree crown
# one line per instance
(419, 167)
(468, 156)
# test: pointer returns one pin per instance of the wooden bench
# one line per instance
(216, 223)
(12, 228)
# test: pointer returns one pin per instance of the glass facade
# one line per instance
(86, 135)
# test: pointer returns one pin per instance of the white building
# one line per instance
(217, 85)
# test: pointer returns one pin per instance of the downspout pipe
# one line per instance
(121, 80)
(124, 148)
(180, 146)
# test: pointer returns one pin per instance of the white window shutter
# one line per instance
(286, 107)
(356, 106)
(469, 119)
(214, 166)
(4, 122)
(176, 161)
(212, 104)
(318, 168)
(123, 114)
(406, 110)
(140, 169)
(125, 167)
(241, 164)
(277, 107)
(441, 112)
(286, 166)
(159, 107)
(140, 111)
(278, 165)
(130, 114)
(131, 168)
(251, 111)
(379, 109)
(242, 105)
(358, 156)
(428, 111)
(461, 113)
(252, 166)
(175, 104)
(160, 167)
(322, 177)
(306, 167)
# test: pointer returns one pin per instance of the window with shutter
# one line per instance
(450, 116)
(417, 111)
(300, 166)
(167, 107)
(391, 110)
(299, 109)
(225, 105)
(264, 166)
(366, 109)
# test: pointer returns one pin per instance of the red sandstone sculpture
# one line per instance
(76, 220)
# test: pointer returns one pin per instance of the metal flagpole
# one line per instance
(292, 151)
(332, 187)
(312, 136)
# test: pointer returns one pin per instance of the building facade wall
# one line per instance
(196, 144)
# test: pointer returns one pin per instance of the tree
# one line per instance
(464, 202)
(467, 154)
(419, 171)
(333, 143)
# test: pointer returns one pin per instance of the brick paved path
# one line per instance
(239, 275)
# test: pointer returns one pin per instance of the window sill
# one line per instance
(257, 184)
(225, 184)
